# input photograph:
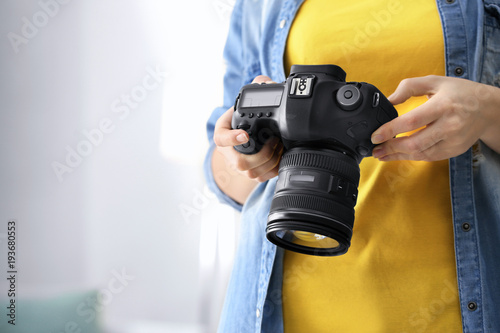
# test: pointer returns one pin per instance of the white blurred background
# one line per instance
(103, 105)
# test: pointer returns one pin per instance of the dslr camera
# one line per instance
(325, 125)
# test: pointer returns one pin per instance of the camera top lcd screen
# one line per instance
(268, 96)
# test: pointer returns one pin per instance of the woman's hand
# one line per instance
(261, 166)
(457, 114)
(237, 174)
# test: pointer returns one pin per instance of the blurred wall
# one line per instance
(102, 138)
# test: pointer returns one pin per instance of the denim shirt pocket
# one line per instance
(491, 43)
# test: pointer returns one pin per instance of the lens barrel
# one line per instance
(312, 210)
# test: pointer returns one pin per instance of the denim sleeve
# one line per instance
(233, 80)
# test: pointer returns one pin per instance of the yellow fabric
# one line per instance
(399, 274)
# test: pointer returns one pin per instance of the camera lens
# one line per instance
(312, 211)
(309, 239)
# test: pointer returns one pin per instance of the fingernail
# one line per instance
(378, 152)
(377, 138)
(242, 137)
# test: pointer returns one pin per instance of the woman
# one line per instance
(423, 253)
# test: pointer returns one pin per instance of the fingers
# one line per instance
(253, 162)
(418, 86)
(420, 146)
(439, 140)
(224, 136)
(268, 169)
(261, 166)
(270, 174)
(428, 142)
(437, 152)
(445, 126)
(419, 117)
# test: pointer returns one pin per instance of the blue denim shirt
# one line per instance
(255, 45)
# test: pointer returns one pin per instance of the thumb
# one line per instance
(224, 136)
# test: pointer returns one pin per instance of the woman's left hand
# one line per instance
(457, 114)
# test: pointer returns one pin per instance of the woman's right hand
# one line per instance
(258, 167)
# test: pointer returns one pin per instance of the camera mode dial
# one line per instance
(349, 97)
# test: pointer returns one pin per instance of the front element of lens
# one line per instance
(312, 211)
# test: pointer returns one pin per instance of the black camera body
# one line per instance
(325, 125)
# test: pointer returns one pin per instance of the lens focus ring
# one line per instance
(314, 204)
(332, 161)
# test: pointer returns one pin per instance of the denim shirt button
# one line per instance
(459, 71)
(472, 306)
(450, 1)
(257, 313)
(465, 226)
(282, 23)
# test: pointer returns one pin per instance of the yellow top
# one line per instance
(399, 274)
